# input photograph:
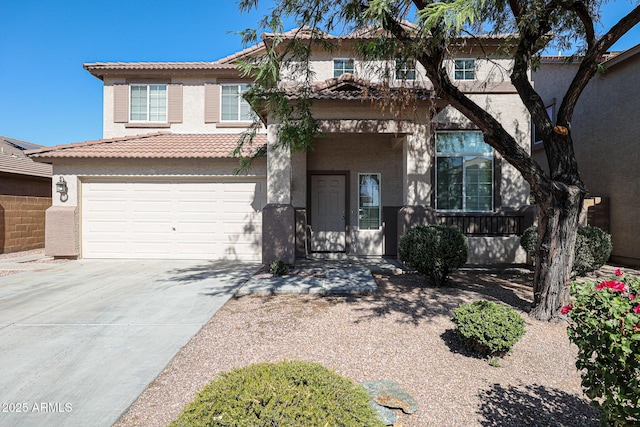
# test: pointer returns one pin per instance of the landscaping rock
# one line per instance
(388, 393)
(386, 415)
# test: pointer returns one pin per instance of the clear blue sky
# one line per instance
(46, 97)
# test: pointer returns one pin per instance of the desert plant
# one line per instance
(290, 393)
(434, 251)
(277, 268)
(592, 250)
(488, 328)
(605, 325)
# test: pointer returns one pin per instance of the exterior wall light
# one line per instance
(61, 187)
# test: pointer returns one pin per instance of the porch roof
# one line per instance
(161, 145)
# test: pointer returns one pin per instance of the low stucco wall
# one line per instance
(496, 250)
(482, 249)
(62, 231)
(22, 222)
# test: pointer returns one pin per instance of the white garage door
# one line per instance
(173, 219)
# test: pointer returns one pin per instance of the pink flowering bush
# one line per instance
(605, 325)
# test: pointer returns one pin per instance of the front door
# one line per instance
(328, 225)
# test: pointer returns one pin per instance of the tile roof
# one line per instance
(371, 31)
(350, 87)
(13, 160)
(100, 69)
(241, 54)
(161, 145)
(156, 66)
(576, 59)
(22, 145)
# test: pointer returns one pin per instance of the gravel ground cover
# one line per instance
(402, 333)
(12, 255)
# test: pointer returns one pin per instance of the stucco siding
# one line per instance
(362, 154)
(193, 118)
(606, 133)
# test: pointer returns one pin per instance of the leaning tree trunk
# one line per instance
(558, 216)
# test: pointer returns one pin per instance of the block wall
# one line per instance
(22, 222)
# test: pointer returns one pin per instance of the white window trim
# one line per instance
(379, 204)
(166, 103)
(343, 72)
(490, 155)
(475, 69)
(239, 120)
(406, 70)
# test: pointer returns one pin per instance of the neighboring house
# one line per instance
(606, 136)
(25, 194)
(162, 184)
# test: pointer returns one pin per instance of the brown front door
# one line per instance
(328, 224)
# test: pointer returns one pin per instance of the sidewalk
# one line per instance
(343, 275)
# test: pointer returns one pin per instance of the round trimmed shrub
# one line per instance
(289, 393)
(488, 328)
(434, 251)
(529, 240)
(592, 250)
(599, 245)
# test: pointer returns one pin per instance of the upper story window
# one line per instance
(343, 66)
(148, 103)
(405, 70)
(464, 172)
(234, 106)
(464, 69)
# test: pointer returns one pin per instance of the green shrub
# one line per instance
(605, 325)
(434, 251)
(290, 393)
(592, 250)
(277, 268)
(529, 240)
(599, 245)
(488, 328)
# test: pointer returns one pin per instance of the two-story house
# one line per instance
(161, 183)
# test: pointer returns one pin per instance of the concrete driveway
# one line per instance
(80, 341)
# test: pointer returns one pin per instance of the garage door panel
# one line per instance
(104, 206)
(148, 206)
(98, 228)
(178, 219)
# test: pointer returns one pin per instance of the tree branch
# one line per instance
(583, 13)
(517, 8)
(589, 64)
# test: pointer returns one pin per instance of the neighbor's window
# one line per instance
(537, 136)
(342, 66)
(464, 172)
(234, 106)
(464, 69)
(405, 70)
(148, 103)
(369, 201)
